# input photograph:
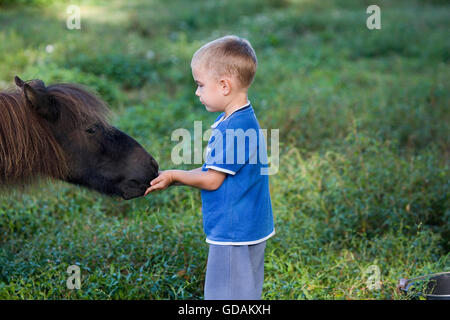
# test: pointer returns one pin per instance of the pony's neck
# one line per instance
(28, 149)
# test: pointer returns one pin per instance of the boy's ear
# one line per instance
(226, 86)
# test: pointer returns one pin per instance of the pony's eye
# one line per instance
(91, 129)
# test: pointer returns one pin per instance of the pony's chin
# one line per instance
(126, 196)
(129, 196)
(130, 193)
(127, 190)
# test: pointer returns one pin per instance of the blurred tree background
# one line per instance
(364, 145)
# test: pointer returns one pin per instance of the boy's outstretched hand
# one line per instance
(161, 182)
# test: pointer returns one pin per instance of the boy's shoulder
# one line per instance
(241, 119)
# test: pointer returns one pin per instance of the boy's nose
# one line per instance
(197, 93)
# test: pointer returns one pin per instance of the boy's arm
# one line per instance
(206, 180)
(199, 169)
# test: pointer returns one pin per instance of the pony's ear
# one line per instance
(34, 98)
(41, 103)
(19, 82)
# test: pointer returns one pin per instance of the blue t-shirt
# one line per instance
(239, 212)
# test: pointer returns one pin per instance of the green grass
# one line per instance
(364, 146)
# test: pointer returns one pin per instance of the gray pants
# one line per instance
(235, 272)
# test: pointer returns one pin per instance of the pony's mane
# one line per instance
(28, 148)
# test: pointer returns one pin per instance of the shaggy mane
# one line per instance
(28, 148)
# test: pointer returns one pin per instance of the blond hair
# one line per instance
(230, 56)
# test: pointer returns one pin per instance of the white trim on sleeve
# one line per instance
(243, 243)
(221, 170)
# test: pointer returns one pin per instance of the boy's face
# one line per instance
(209, 89)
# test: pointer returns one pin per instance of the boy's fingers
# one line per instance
(156, 180)
(150, 189)
(154, 187)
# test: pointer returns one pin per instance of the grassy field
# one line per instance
(364, 145)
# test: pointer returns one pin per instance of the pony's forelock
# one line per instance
(78, 105)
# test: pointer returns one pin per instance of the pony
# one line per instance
(62, 132)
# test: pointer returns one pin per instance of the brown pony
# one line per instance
(62, 132)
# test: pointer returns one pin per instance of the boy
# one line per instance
(236, 205)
